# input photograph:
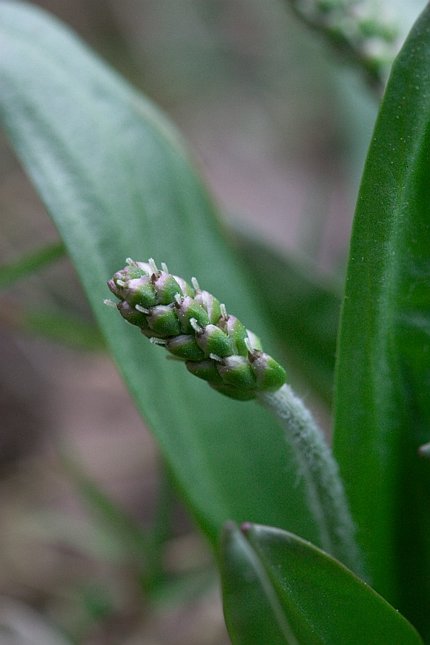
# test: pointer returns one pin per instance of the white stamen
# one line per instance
(223, 308)
(195, 325)
(178, 298)
(153, 266)
(157, 341)
(109, 302)
(195, 284)
(164, 267)
(121, 283)
(131, 262)
(141, 309)
(215, 357)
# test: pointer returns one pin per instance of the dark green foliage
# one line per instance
(383, 373)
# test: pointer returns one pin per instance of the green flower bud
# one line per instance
(129, 272)
(236, 371)
(237, 331)
(268, 373)
(144, 267)
(131, 314)
(210, 304)
(166, 288)
(185, 346)
(116, 289)
(188, 309)
(234, 393)
(151, 334)
(212, 340)
(205, 370)
(164, 321)
(120, 279)
(140, 291)
(186, 288)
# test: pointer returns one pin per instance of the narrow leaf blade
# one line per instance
(11, 273)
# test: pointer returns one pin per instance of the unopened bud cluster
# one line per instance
(364, 28)
(196, 328)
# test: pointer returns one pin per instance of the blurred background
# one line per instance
(95, 546)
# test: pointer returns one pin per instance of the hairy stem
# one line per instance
(319, 470)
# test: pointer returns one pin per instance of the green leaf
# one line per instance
(11, 273)
(302, 307)
(108, 513)
(383, 372)
(145, 548)
(115, 179)
(278, 588)
(57, 326)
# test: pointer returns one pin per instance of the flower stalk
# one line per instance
(193, 326)
(320, 473)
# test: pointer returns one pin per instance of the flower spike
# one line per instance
(195, 327)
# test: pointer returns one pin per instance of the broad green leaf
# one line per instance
(278, 589)
(302, 307)
(383, 372)
(117, 182)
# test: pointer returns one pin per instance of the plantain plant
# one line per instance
(313, 546)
